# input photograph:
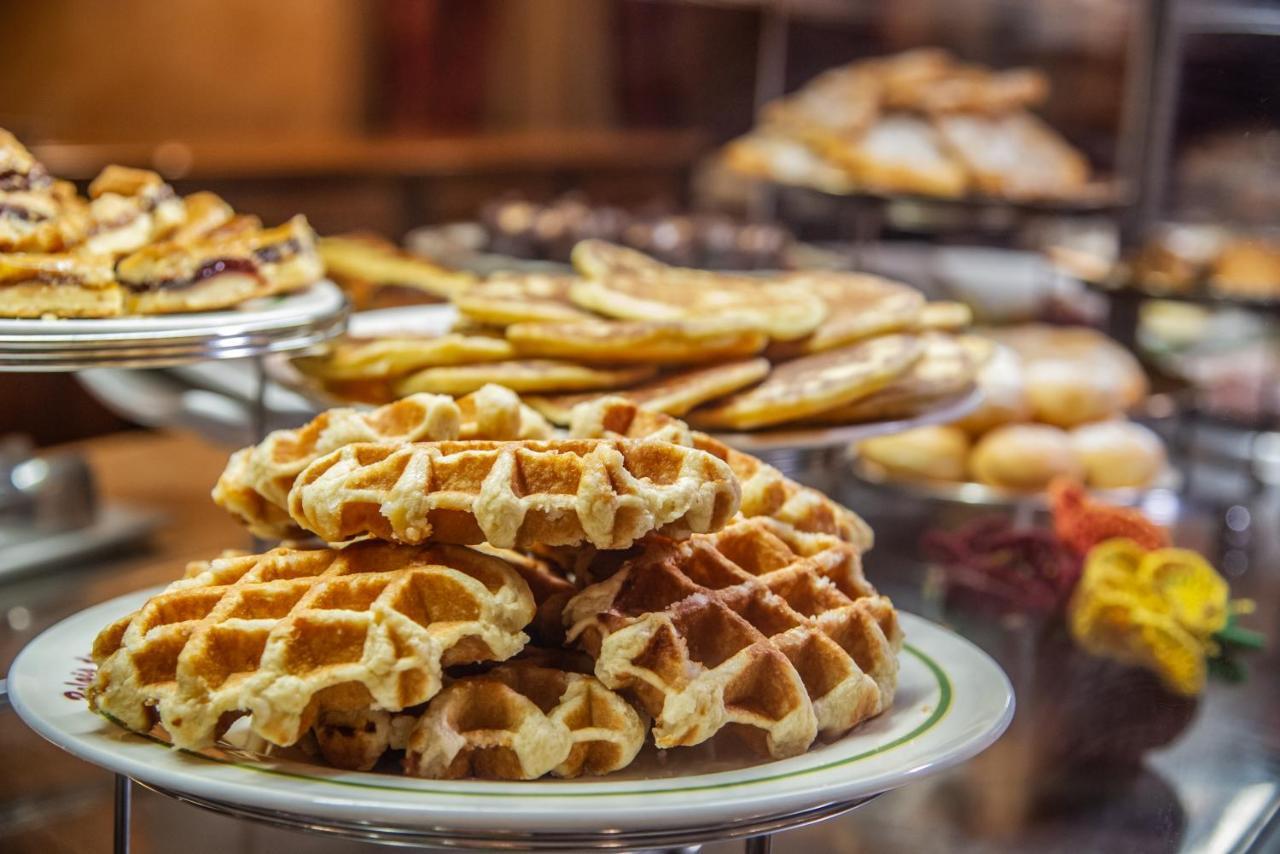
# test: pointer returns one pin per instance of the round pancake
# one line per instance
(858, 306)
(381, 358)
(784, 311)
(980, 350)
(519, 298)
(673, 394)
(944, 316)
(811, 384)
(596, 259)
(638, 341)
(944, 372)
(528, 375)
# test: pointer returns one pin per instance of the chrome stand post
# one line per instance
(123, 818)
(758, 844)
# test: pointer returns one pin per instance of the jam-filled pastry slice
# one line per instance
(19, 169)
(233, 263)
(129, 208)
(204, 213)
(60, 284)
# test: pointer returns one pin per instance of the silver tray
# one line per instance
(258, 327)
(982, 495)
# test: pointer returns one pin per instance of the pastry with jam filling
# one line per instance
(19, 169)
(130, 208)
(232, 263)
(49, 220)
(37, 213)
(67, 284)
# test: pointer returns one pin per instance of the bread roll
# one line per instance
(1067, 393)
(1118, 454)
(1023, 457)
(935, 453)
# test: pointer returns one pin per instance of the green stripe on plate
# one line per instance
(938, 713)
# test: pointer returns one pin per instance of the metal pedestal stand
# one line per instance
(288, 324)
(757, 833)
(819, 457)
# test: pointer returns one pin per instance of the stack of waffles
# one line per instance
(499, 601)
(134, 246)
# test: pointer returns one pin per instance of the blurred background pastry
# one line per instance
(926, 453)
(1024, 457)
(1118, 454)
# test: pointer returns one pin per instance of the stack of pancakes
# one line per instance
(495, 606)
(728, 352)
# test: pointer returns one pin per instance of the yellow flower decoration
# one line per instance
(1155, 609)
(1194, 590)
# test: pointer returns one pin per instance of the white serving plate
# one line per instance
(953, 701)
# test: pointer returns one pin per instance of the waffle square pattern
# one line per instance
(255, 485)
(765, 491)
(287, 634)
(522, 720)
(604, 492)
(758, 628)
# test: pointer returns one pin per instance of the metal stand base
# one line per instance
(123, 814)
(757, 833)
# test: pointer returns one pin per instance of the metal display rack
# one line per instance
(287, 324)
(757, 833)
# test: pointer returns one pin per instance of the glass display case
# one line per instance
(639, 425)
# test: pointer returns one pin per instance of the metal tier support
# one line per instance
(757, 834)
(290, 323)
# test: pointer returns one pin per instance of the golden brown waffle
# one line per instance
(673, 393)
(513, 494)
(642, 342)
(813, 384)
(757, 626)
(255, 485)
(495, 412)
(765, 490)
(282, 635)
(550, 588)
(858, 306)
(522, 720)
(659, 292)
(356, 739)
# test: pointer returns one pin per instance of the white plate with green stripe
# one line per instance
(952, 702)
